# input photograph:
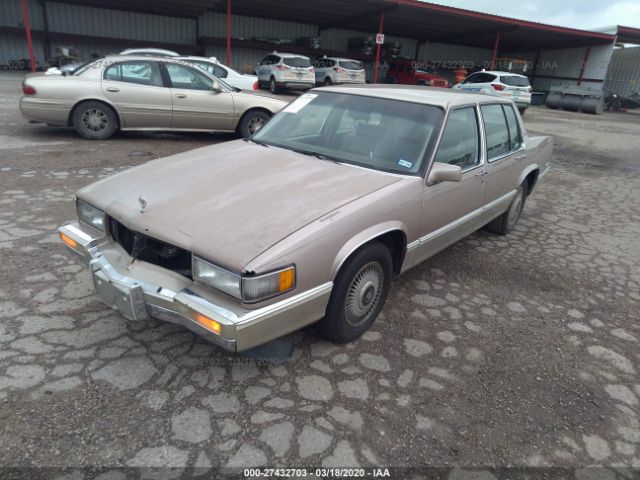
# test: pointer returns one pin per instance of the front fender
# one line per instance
(362, 238)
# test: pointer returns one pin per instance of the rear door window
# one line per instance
(497, 131)
(137, 72)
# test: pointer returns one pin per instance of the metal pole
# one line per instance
(584, 64)
(495, 50)
(377, 64)
(27, 28)
(228, 32)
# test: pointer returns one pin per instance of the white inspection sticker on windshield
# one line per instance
(301, 101)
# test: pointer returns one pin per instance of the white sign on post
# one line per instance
(379, 38)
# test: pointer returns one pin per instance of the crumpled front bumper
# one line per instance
(139, 290)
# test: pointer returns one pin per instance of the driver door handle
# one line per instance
(181, 95)
(481, 174)
(520, 157)
(112, 89)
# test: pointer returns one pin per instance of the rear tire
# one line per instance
(328, 82)
(273, 86)
(252, 122)
(359, 292)
(94, 120)
(522, 110)
(505, 222)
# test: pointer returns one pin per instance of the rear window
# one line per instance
(514, 81)
(351, 64)
(297, 62)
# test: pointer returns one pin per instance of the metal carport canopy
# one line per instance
(405, 18)
(628, 35)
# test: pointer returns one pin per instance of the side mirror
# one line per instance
(443, 172)
(216, 88)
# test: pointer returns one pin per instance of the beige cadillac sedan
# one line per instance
(310, 219)
(144, 93)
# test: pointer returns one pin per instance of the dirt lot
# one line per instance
(501, 351)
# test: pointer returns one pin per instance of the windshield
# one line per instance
(514, 81)
(382, 134)
(297, 62)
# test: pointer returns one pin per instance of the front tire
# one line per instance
(359, 292)
(505, 222)
(252, 122)
(94, 120)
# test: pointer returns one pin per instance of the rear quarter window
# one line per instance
(514, 81)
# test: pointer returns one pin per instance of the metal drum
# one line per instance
(554, 99)
(571, 103)
(591, 105)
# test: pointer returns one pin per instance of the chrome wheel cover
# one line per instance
(364, 294)
(94, 119)
(516, 208)
(255, 124)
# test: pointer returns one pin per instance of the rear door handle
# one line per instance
(181, 95)
(481, 174)
(112, 89)
(520, 157)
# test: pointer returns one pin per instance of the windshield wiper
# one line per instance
(317, 155)
(257, 142)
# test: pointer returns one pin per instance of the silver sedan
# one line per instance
(144, 93)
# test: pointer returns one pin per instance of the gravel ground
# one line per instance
(499, 352)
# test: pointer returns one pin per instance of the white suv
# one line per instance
(330, 70)
(501, 84)
(287, 71)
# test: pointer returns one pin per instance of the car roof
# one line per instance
(504, 74)
(150, 51)
(124, 58)
(440, 97)
(343, 58)
(287, 55)
(202, 59)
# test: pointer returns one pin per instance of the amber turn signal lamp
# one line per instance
(69, 241)
(209, 324)
(286, 279)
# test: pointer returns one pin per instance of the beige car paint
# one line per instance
(142, 107)
(251, 208)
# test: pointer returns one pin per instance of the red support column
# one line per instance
(584, 64)
(27, 28)
(495, 50)
(229, 32)
(377, 64)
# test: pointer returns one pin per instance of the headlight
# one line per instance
(217, 277)
(247, 289)
(268, 285)
(90, 215)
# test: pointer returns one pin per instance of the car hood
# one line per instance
(260, 94)
(230, 202)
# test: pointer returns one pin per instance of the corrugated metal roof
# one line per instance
(406, 18)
